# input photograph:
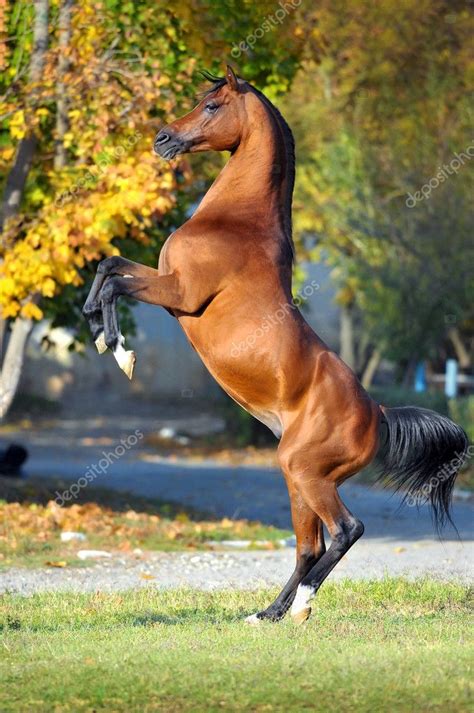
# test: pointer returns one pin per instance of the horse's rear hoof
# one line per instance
(301, 616)
(253, 620)
(100, 343)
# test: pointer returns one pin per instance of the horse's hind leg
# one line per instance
(310, 547)
(345, 530)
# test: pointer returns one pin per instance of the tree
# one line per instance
(81, 96)
(375, 114)
(14, 189)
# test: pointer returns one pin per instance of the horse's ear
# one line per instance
(232, 80)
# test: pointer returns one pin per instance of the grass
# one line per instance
(31, 525)
(384, 646)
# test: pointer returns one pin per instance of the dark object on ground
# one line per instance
(12, 459)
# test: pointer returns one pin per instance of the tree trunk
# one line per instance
(13, 363)
(407, 381)
(371, 368)
(346, 336)
(62, 123)
(15, 183)
(3, 331)
(461, 351)
(362, 349)
(40, 39)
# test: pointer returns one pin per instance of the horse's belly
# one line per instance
(268, 418)
(249, 377)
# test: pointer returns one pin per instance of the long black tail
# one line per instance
(422, 456)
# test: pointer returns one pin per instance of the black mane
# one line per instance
(217, 82)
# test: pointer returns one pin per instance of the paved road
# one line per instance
(396, 540)
(69, 448)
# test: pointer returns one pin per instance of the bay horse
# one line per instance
(220, 275)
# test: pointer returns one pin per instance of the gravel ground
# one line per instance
(244, 570)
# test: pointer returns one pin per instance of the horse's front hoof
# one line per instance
(100, 343)
(125, 360)
(301, 616)
(128, 364)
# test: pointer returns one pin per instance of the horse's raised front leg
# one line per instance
(92, 309)
(146, 285)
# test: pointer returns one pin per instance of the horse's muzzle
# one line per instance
(168, 145)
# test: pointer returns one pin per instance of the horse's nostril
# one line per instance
(162, 138)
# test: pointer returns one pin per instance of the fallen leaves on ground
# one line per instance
(60, 563)
(29, 529)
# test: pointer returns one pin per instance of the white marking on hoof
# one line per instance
(125, 359)
(300, 610)
(253, 620)
(100, 343)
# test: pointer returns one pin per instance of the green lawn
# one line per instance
(386, 646)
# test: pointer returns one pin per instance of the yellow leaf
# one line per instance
(31, 311)
(17, 125)
(48, 287)
(8, 153)
(10, 310)
(59, 563)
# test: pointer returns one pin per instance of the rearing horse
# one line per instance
(221, 274)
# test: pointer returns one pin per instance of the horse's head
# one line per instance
(215, 124)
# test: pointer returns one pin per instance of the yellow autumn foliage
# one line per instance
(111, 186)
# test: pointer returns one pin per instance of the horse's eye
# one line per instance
(211, 108)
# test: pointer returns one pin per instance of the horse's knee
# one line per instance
(109, 264)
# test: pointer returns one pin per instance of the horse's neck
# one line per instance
(253, 180)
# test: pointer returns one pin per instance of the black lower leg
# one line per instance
(310, 548)
(112, 337)
(283, 602)
(92, 309)
(111, 327)
(345, 535)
